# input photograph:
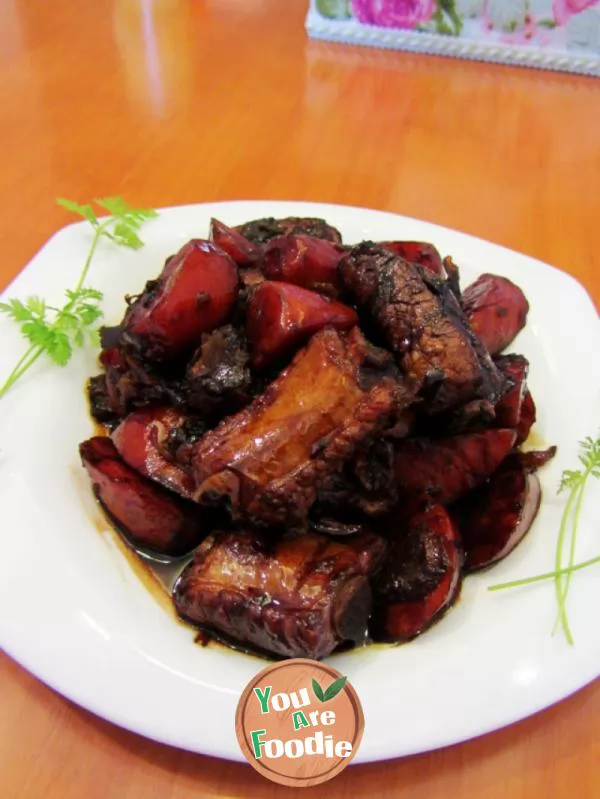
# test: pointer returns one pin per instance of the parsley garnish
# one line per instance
(575, 482)
(53, 331)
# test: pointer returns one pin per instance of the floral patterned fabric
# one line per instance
(393, 13)
(555, 24)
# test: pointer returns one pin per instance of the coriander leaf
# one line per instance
(37, 332)
(335, 688)
(318, 691)
(94, 337)
(125, 234)
(59, 347)
(17, 310)
(86, 211)
(576, 483)
(37, 306)
(84, 294)
(116, 206)
(55, 331)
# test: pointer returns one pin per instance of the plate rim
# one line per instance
(218, 751)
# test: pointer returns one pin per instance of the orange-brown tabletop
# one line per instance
(168, 102)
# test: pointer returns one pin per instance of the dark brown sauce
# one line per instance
(159, 578)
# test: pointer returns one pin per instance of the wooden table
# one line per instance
(174, 101)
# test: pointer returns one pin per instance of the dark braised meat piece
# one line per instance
(99, 401)
(444, 469)
(422, 322)
(268, 460)
(366, 484)
(403, 426)
(304, 261)
(421, 577)
(527, 420)
(148, 516)
(243, 251)
(295, 597)
(417, 252)
(142, 440)
(453, 276)
(178, 446)
(473, 417)
(194, 294)
(110, 336)
(261, 230)
(495, 517)
(218, 378)
(130, 383)
(496, 309)
(508, 409)
(281, 317)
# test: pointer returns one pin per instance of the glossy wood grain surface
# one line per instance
(176, 101)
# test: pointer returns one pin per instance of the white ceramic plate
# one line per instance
(76, 614)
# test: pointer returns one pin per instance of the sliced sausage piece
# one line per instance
(418, 252)
(527, 420)
(194, 294)
(147, 515)
(534, 459)
(421, 578)
(494, 518)
(497, 310)
(243, 251)
(281, 317)
(444, 469)
(508, 409)
(304, 261)
(141, 440)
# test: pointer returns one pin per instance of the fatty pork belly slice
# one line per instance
(445, 469)
(148, 516)
(142, 440)
(299, 596)
(421, 577)
(420, 318)
(497, 310)
(195, 293)
(268, 461)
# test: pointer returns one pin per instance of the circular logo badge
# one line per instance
(299, 722)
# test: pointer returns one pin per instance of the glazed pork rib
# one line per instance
(268, 460)
(294, 597)
(422, 322)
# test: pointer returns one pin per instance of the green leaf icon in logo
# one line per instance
(331, 692)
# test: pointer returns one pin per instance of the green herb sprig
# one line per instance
(574, 481)
(56, 332)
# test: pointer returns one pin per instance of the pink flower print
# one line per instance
(565, 9)
(393, 13)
